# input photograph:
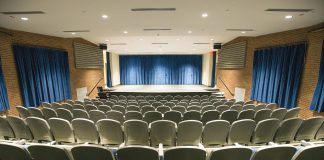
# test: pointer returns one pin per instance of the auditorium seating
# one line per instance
(200, 134)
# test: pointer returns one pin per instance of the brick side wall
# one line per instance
(243, 77)
(79, 77)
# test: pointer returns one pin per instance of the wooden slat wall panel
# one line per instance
(232, 56)
(87, 56)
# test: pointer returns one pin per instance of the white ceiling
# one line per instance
(86, 15)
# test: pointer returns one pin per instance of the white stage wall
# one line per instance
(207, 69)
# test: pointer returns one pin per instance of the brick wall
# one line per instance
(243, 77)
(79, 77)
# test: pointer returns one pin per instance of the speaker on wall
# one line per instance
(217, 46)
(103, 46)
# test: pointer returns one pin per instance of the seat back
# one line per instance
(136, 132)
(42, 152)
(90, 107)
(163, 109)
(104, 108)
(61, 130)
(133, 115)
(13, 152)
(241, 131)
(49, 113)
(260, 107)
(222, 108)
(313, 152)
(275, 152)
(189, 132)
(64, 114)
(133, 108)
(152, 116)
(265, 131)
(248, 106)
(67, 106)
(207, 108)
(246, 114)
(320, 133)
(78, 106)
(46, 105)
(19, 127)
(137, 153)
(272, 106)
(163, 131)
(237, 108)
(119, 108)
(279, 113)
(110, 132)
(226, 153)
(287, 130)
(261, 115)
(115, 115)
(210, 116)
(85, 131)
(87, 152)
(194, 108)
(192, 115)
(23, 112)
(174, 116)
(215, 132)
(78, 113)
(180, 109)
(96, 115)
(35, 112)
(185, 153)
(229, 115)
(6, 131)
(39, 128)
(292, 113)
(308, 128)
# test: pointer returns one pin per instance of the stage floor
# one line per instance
(161, 89)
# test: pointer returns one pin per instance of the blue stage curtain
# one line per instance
(276, 74)
(4, 102)
(160, 69)
(318, 97)
(43, 74)
(213, 70)
(109, 83)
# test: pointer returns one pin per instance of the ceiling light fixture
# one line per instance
(243, 32)
(178, 39)
(211, 39)
(189, 32)
(107, 40)
(24, 18)
(73, 33)
(288, 17)
(125, 32)
(204, 15)
(104, 16)
(141, 39)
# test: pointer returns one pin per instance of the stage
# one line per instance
(163, 90)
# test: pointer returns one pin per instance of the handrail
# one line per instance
(95, 86)
(226, 86)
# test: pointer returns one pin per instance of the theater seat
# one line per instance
(91, 152)
(61, 130)
(6, 131)
(287, 130)
(20, 128)
(40, 129)
(215, 133)
(13, 152)
(136, 132)
(189, 133)
(314, 152)
(274, 153)
(185, 153)
(48, 152)
(231, 153)
(241, 131)
(137, 153)
(85, 131)
(163, 131)
(110, 132)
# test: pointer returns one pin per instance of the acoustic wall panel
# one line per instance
(87, 56)
(232, 56)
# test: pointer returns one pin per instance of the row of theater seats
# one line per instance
(90, 152)
(138, 132)
(151, 114)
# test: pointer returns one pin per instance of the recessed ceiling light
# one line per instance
(194, 49)
(204, 15)
(24, 18)
(189, 32)
(125, 32)
(288, 17)
(141, 39)
(243, 32)
(107, 40)
(211, 39)
(73, 33)
(178, 39)
(126, 49)
(104, 16)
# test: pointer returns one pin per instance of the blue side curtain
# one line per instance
(43, 74)
(160, 69)
(318, 97)
(277, 73)
(213, 70)
(109, 83)
(4, 102)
